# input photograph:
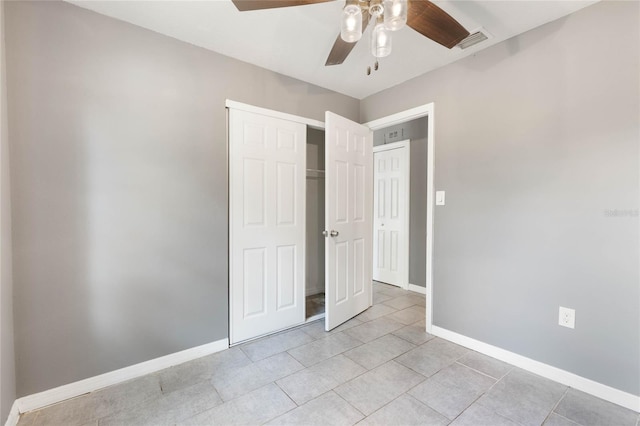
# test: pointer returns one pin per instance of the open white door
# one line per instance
(391, 214)
(267, 162)
(349, 211)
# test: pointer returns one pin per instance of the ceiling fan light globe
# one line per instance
(351, 23)
(380, 41)
(395, 14)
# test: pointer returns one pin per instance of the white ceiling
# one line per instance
(295, 41)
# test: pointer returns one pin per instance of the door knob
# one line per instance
(334, 233)
(325, 233)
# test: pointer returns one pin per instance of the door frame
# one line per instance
(407, 203)
(426, 110)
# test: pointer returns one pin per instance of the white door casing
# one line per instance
(348, 217)
(428, 111)
(267, 163)
(391, 213)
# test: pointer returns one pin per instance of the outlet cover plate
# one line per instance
(567, 317)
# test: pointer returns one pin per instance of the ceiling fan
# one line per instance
(389, 15)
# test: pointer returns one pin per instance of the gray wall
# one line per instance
(120, 188)
(7, 365)
(416, 131)
(536, 143)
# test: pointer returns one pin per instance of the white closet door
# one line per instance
(349, 211)
(267, 163)
(391, 214)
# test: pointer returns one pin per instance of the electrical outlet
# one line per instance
(567, 317)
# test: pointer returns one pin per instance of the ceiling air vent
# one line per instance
(472, 40)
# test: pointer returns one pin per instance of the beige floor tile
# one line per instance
(430, 357)
(310, 383)
(414, 334)
(409, 315)
(379, 351)
(95, 405)
(168, 409)
(235, 382)
(256, 407)
(328, 409)
(277, 343)
(321, 349)
(379, 386)
(406, 411)
(374, 329)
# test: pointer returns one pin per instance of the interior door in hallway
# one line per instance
(348, 217)
(267, 162)
(391, 214)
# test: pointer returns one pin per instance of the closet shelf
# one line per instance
(315, 173)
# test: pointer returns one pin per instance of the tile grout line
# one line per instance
(348, 403)
(398, 397)
(566, 418)
(215, 389)
(556, 404)
(480, 372)
(288, 396)
(486, 392)
(457, 361)
(476, 400)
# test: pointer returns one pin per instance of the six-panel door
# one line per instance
(391, 214)
(348, 217)
(267, 165)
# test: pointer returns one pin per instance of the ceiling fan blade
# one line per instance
(341, 48)
(246, 5)
(434, 23)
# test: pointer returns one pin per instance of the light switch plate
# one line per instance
(439, 198)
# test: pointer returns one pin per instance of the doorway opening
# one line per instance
(413, 124)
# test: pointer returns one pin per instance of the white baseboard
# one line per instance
(62, 393)
(583, 384)
(14, 415)
(417, 289)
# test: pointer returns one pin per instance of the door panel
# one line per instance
(267, 162)
(349, 207)
(253, 282)
(391, 215)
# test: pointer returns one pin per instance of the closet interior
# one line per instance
(315, 220)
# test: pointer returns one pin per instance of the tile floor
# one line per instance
(314, 305)
(379, 368)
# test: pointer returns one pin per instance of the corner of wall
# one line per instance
(7, 355)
